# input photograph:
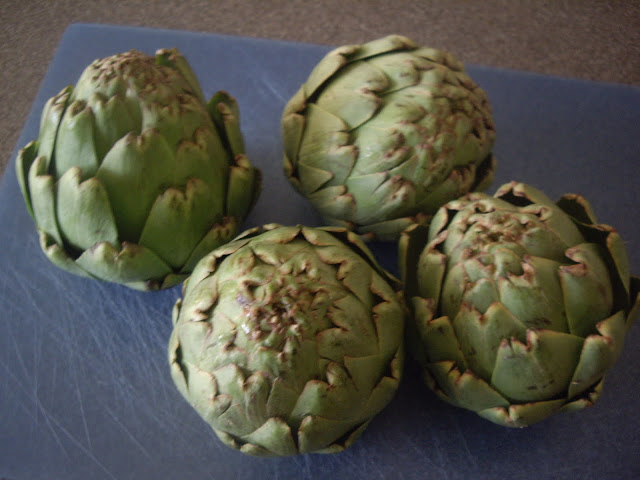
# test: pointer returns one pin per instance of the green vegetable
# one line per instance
(288, 340)
(383, 134)
(134, 177)
(519, 305)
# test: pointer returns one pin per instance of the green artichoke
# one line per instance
(134, 177)
(383, 134)
(519, 305)
(288, 340)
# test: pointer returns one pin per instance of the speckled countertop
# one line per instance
(589, 39)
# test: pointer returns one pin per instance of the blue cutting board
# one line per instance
(85, 391)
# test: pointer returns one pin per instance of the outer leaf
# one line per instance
(75, 144)
(274, 436)
(464, 388)
(133, 263)
(83, 211)
(43, 199)
(178, 221)
(133, 172)
(522, 415)
(539, 370)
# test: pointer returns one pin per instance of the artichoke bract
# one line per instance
(383, 134)
(519, 305)
(288, 340)
(134, 177)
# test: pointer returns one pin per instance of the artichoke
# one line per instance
(383, 134)
(134, 177)
(288, 340)
(519, 305)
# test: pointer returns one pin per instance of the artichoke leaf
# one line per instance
(282, 398)
(381, 395)
(366, 372)
(324, 435)
(553, 216)
(398, 111)
(133, 173)
(59, 256)
(577, 207)
(49, 123)
(293, 113)
(220, 234)
(177, 371)
(587, 289)
(325, 69)
(205, 158)
(387, 315)
(410, 247)
(334, 202)
(464, 388)
(323, 131)
(480, 335)
(380, 192)
(295, 366)
(42, 188)
(292, 130)
(430, 274)
(617, 250)
(389, 230)
(538, 370)
(350, 94)
(599, 353)
(337, 398)
(273, 436)
(521, 415)
(482, 292)
(189, 214)
(312, 178)
(256, 394)
(379, 46)
(457, 181)
(171, 57)
(400, 69)
(535, 304)
(386, 150)
(438, 336)
(204, 295)
(355, 275)
(225, 114)
(201, 388)
(132, 263)
(354, 333)
(112, 119)
(244, 187)
(232, 420)
(75, 143)
(230, 380)
(417, 166)
(586, 399)
(173, 120)
(83, 211)
(26, 156)
(337, 165)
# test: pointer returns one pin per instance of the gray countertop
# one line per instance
(588, 39)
